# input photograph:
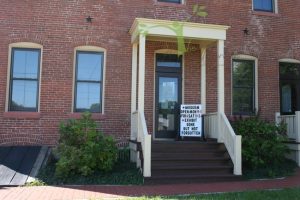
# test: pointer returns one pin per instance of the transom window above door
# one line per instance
(169, 60)
(171, 1)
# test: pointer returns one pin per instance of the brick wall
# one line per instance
(60, 26)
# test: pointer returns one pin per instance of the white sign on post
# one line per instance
(191, 120)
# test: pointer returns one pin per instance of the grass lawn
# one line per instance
(288, 194)
(124, 173)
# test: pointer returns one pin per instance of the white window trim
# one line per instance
(252, 58)
(26, 45)
(289, 60)
(275, 6)
(90, 49)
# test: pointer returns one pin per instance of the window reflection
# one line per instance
(88, 81)
(24, 79)
(243, 91)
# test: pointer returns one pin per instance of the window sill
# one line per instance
(22, 115)
(263, 13)
(95, 116)
(167, 4)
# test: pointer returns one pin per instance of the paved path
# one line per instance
(118, 192)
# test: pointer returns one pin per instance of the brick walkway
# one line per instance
(117, 192)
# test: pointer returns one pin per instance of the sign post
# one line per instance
(191, 120)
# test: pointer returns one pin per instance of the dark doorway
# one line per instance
(168, 95)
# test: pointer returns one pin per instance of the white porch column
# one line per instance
(142, 54)
(133, 87)
(221, 88)
(133, 133)
(203, 79)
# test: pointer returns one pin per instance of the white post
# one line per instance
(277, 118)
(220, 83)
(203, 79)
(133, 135)
(142, 54)
(297, 126)
(221, 88)
(147, 156)
(238, 155)
(133, 87)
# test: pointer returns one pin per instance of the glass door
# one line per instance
(168, 96)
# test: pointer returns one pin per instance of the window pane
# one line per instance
(171, 1)
(88, 97)
(243, 101)
(25, 63)
(89, 66)
(168, 60)
(265, 5)
(243, 73)
(24, 96)
(289, 71)
(286, 99)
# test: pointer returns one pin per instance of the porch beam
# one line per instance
(203, 79)
(141, 89)
(221, 82)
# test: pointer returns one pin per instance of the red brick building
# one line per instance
(59, 58)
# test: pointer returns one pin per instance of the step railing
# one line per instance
(140, 133)
(293, 124)
(216, 125)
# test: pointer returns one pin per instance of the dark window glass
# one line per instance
(263, 5)
(243, 91)
(170, 1)
(88, 81)
(289, 88)
(168, 60)
(24, 81)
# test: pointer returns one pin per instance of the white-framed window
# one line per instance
(244, 85)
(265, 5)
(23, 88)
(88, 79)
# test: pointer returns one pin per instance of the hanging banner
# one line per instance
(191, 120)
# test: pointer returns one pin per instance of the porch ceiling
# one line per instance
(155, 29)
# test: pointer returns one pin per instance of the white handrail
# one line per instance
(232, 142)
(216, 125)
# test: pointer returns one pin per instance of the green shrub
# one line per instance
(83, 149)
(262, 142)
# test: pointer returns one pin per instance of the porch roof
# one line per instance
(176, 29)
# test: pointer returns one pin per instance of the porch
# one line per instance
(293, 133)
(216, 125)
